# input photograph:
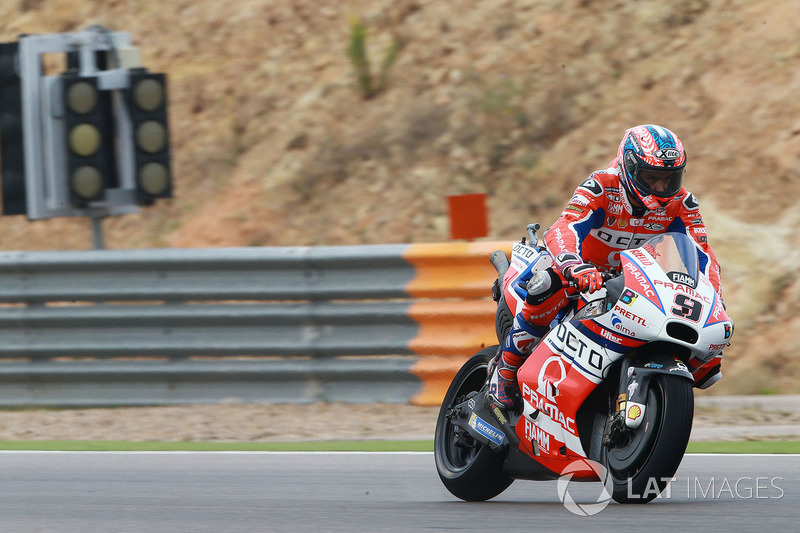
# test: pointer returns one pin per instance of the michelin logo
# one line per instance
(479, 425)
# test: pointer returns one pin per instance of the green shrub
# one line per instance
(357, 53)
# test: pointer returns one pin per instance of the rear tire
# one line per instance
(503, 320)
(468, 469)
(643, 466)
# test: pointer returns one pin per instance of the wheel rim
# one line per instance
(626, 460)
(460, 450)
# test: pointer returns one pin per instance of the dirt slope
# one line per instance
(274, 145)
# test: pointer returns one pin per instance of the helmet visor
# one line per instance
(657, 181)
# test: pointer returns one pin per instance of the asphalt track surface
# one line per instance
(331, 492)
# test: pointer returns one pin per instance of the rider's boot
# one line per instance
(506, 382)
(518, 345)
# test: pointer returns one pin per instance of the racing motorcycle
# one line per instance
(606, 392)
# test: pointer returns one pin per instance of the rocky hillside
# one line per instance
(274, 143)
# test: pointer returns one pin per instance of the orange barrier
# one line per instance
(453, 270)
(454, 329)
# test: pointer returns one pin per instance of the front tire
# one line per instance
(643, 465)
(468, 469)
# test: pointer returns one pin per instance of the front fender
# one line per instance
(637, 373)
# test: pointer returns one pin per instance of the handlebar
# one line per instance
(570, 281)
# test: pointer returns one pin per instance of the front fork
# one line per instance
(636, 374)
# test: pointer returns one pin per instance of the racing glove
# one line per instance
(586, 277)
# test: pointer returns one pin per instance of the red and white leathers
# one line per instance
(597, 223)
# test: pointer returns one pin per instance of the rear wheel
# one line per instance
(469, 470)
(503, 320)
(643, 461)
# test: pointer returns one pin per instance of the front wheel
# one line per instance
(469, 470)
(644, 461)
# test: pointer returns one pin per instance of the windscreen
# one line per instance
(677, 255)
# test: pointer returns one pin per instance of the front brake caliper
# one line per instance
(616, 431)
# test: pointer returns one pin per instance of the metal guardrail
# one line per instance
(306, 318)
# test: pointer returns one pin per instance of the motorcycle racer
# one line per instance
(638, 196)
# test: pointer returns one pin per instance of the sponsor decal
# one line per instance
(622, 223)
(717, 347)
(614, 208)
(579, 200)
(685, 279)
(617, 323)
(535, 433)
(642, 257)
(575, 348)
(548, 407)
(696, 221)
(559, 238)
(619, 239)
(634, 412)
(628, 297)
(488, 431)
(499, 414)
(699, 231)
(630, 316)
(592, 186)
(718, 313)
(610, 336)
(654, 226)
(522, 250)
(639, 280)
(702, 239)
(574, 208)
(654, 365)
(668, 153)
(610, 221)
(680, 287)
(728, 330)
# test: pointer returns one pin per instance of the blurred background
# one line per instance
(277, 140)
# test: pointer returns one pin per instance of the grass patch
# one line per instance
(128, 446)
(762, 446)
(776, 447)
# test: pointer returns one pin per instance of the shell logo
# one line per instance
(634, 412)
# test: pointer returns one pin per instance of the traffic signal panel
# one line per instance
(89, 131)
(12, 150)
(90, 141)
(147, 104)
